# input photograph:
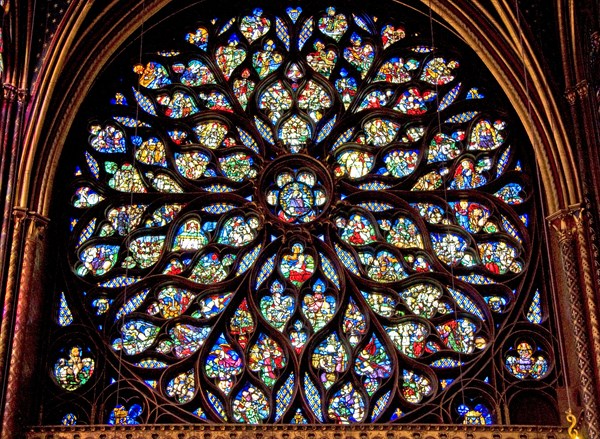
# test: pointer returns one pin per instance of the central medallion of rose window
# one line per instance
(296, 189)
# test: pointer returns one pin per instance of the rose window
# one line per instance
(297, 216)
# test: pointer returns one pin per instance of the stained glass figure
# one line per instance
(250, 406)
(223, 364)
(299, 215)
(391, 34)
(318, 307)
(122, 415)
(359, 55)
(526, 362)
(478, 415)
(75, 371)
(230, 56)
(322, 60)
(332, 24)
(266, 359)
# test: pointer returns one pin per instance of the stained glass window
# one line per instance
(299, 215)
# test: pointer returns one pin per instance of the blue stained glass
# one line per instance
(248, 140)
(534, 313)
(132, 304)
(478, 415)
(297, 297)
(198, 38)
(477, 279)
(153, 75)
(510, 193)
(65, 317)
(313, 397)
(87, 232)
(226, 27)
(293, 13)
(380, 405)
(248, 260)
(69, 419)
(450, 97)
(92, 164)
(503, 161)
(218, 188)
(462, 117)
(130, 123)
(151, 363)
(305, 33)
(144, 102)
(343, 138)
(374, 186)
(347, 259)
(217, 405)
(326, 129)
(264, 130)
(120, 415)
(200, 413)
(265, 271)
(376, 206)
(465, 303)
(219, 208)
(120, 281)
(329, 270)
(444, 363)
(361, 23)
(474, 94)
(512, 230)
(119, 99)
(284, 397)
(282, 32)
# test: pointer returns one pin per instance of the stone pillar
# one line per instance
(29, 251)
(567, 226)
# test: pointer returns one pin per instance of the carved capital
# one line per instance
(565, 222)
(582, 88)
(595, 41)
(571, 95)
(37, 226)
(19, 215)
(9, 92)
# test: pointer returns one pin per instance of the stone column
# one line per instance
(25, 324)
(566, 225)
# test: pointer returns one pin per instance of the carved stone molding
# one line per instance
(356, 431)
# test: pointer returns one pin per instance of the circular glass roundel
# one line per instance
(298, 215)
(297, 189)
